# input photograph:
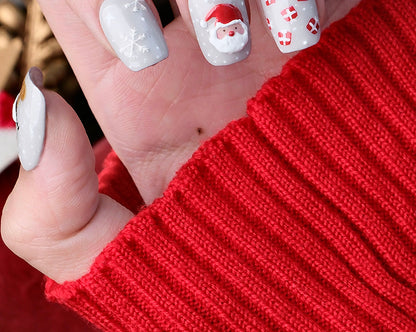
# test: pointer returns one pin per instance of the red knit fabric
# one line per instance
(300, 217)
(6, 105)
(115, 180)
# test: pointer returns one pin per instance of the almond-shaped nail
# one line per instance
(133, 33)
(294, 23)
(222, 30)
(29, 115)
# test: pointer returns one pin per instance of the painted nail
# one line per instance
(222, 30)
(29, 115)
(294, 23)
(133, 33)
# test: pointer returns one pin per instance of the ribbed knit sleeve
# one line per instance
(299, 217)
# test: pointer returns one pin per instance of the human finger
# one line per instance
(121, 100)
(55, 218)
(130, 29)
(293, 24)
(222, 29)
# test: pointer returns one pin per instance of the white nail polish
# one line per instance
(294, 23)
(222, 29)
(29, 115)
(133, 32)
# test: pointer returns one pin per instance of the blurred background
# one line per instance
(25, 41)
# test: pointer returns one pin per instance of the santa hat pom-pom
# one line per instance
(203, 24)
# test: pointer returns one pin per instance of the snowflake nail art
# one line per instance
(136, 5)
(134, 44)
(133, 33)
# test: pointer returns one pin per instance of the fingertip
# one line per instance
(55, 218)
(294, 26)
(134, 31)
(181, 7)
(29, 113)
(57, 160)
(222, 30)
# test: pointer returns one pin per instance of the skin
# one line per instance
(153, 123)
(230, 30)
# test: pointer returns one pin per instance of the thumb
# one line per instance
(55, 218)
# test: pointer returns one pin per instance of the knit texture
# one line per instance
(6, 105)
(300, 217)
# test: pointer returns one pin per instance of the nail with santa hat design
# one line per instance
(222, 31)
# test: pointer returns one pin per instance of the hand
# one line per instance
(154, 119)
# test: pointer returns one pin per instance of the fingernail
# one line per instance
(222, 30)
(133, 33)
(30, 118)
(294, 23)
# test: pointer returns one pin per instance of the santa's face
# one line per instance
(230, 30)
(229, 38)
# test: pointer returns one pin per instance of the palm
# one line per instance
(156, 118)
(160, 116)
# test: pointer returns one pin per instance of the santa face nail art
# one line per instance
(30, 118)
(133, 33)
(294, 23)
(222, 30)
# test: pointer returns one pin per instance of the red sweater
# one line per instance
(301, 216)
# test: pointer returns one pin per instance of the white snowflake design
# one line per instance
(133, 43)
(136, 5)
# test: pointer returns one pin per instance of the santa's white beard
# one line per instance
(229, 44)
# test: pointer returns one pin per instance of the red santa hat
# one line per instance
(225, 14)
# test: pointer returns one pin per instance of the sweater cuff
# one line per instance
(300, 217)
(260, 246)
(116, 182)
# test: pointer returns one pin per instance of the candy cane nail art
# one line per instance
(294, 23)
